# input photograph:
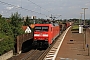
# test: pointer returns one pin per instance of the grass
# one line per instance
(75, 27)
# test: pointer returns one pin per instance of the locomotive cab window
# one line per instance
(45, 28)
(37, 28)
(41, 28)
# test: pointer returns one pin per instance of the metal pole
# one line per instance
(81, 18)
(61, 17)
(88, 50)
(84, 25)
(84, 14)
(85, 35)
(51, 17)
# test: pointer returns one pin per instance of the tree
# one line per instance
(16, 24)
(88, 22)
(5, 27)
(27, 22)
(6, 36)
(0, 16)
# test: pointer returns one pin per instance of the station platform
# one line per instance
(75, 46)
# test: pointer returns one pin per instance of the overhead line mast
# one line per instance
(84, 14)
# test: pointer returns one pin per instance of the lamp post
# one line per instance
(80, 24)
(81, 18)
(84, 26)
(84, 14)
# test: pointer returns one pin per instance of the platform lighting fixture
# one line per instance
(84, 14)
(85, 28)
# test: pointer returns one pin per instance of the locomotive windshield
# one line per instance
(41, 28)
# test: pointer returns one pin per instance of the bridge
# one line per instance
(21, 39)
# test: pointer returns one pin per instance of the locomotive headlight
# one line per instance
(36, 34)
(45, 35)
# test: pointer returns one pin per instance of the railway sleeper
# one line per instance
(40, 44)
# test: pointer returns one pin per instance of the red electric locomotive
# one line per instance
(45, 34)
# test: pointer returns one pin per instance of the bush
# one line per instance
(6, 45)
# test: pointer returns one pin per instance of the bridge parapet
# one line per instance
(21, 39)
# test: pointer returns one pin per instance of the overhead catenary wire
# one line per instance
(21, 8)
(39, 6)
(35, 3)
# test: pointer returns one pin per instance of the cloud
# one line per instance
(67, 8)
(2, 12)
(87, 4)
(18, 6)
(9, 8)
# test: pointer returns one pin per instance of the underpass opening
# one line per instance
(27, 46)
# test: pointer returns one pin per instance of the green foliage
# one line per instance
(38, 20)
(5, 27)
(6, 36)
(88, 22)
(6, 45)
(0, 16)
(27, 22)
(75, 27)
(9, 29)
(16, 24)
(64, 21)
(15, 18)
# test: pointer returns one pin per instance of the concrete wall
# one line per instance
(6, 55)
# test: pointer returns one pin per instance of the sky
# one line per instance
(61, 9)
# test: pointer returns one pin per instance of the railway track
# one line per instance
(42, 55)
(48, 49)
(33, 54)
